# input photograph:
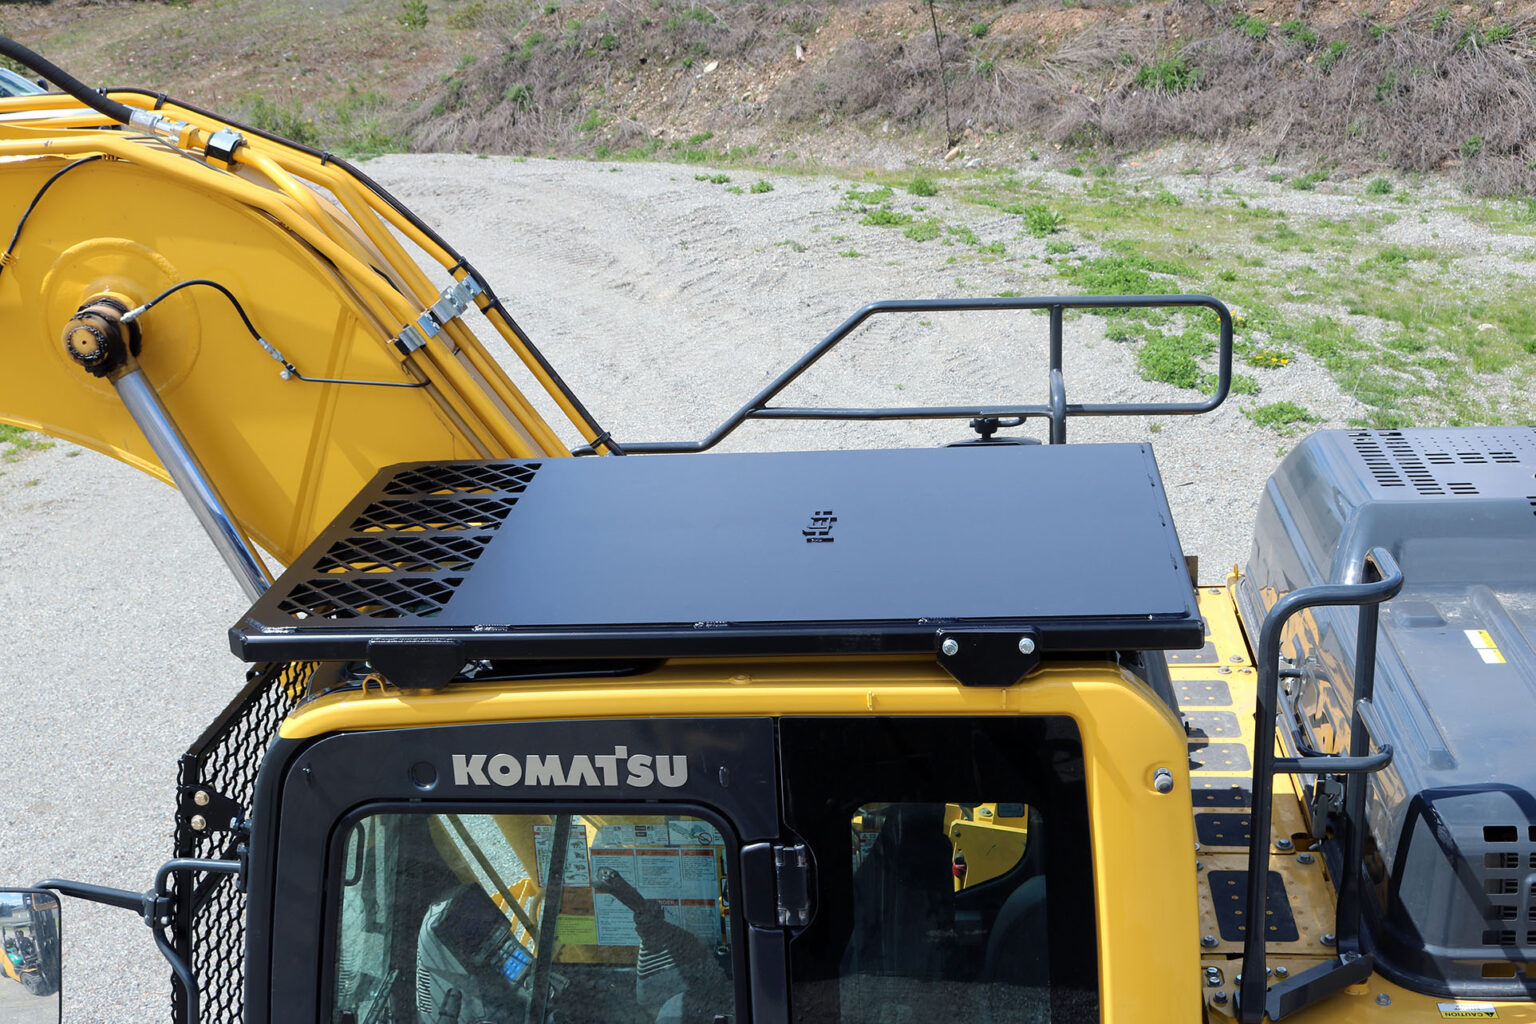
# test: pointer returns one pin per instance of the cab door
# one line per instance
(569, 871)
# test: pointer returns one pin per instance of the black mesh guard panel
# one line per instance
(210, 912)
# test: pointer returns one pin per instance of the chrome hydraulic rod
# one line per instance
(144, 405)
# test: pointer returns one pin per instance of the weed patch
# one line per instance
(1285, 417)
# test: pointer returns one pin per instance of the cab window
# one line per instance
(954, 876)
(619, 919)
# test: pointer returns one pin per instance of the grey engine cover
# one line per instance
(1453, 817)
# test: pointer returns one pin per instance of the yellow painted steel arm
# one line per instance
(314, 255)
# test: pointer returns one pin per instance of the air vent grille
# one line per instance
(1408, 461)
(1450, 462)
(1375, 459)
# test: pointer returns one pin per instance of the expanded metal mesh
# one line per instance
(210, 914)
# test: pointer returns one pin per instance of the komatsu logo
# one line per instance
(638, 771)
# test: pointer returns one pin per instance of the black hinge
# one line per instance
(792, 871)
(776, 885)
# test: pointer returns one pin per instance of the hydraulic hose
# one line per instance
(66, 82)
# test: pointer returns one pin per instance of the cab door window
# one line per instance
(579, 918)
(954, 875)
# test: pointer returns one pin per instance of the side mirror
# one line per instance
(31, 957)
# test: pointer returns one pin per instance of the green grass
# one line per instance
(16, 443)
(1286, 417)
(886, 218)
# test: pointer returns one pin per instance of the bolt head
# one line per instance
(1283, 844)
(199, 823)
(1219, 998)
(201, 798)
(1382, 999)
(1162, 780)
(950, 647)
(1026, 645)
(1208, 941)
(1282, 971)
(1304, 858)
(1330, 939)
(1213, 978)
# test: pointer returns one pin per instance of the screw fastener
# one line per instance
(1282, 971)
(1382, 999)
(1208, 941)
(1026, 645)
(1219, 998)
(198, 823)
(1303, 858)
(950, 646)
(1162, 780)
(1330, 939)
(1283, 844)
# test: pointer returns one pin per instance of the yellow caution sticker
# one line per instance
(1482, 642)
(1483, 1010)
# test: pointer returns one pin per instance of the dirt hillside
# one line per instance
(1349, 85)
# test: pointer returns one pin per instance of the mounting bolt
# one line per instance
(1219, 998)
(1199, 866)
(201, 798)
(1026, 645)
(1282, 971)
(1208, 941)
(165, 919)
(1303, 858)
(1382, 999)
(1349, 958)
(198, 823)
(1162, 780)
(1283, 844)
(950, 646)
(1213, 977)
(1235, 658)
(1330, 939)
(1223, 670)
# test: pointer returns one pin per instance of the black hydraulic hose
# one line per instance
(288, 368)
(5, 257)
(66, 82)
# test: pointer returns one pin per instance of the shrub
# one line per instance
(759, 187)
(923, 187)
(1379, 187)
(1170, 75)
(1040, 220)
(413, 14)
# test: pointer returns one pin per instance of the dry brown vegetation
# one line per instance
(1349, 86)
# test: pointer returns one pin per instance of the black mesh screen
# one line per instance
(210, 915)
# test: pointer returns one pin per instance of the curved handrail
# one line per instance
(1056, 411)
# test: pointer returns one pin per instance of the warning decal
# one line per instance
(1481, 1010)
(1482, 643)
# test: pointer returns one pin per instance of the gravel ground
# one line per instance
(666, 302)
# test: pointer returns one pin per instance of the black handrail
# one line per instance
(1352, 965)
(1056, 410)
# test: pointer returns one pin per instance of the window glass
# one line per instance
(455, 917)
(954, 876)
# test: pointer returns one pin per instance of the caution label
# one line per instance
(1458, 1010)
(1482, 643)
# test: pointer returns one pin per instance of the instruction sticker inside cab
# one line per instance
(1463, 1010)
(1482, 642)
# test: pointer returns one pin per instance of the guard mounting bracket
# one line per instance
(978, 658)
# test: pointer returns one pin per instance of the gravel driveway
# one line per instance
(666, 302)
